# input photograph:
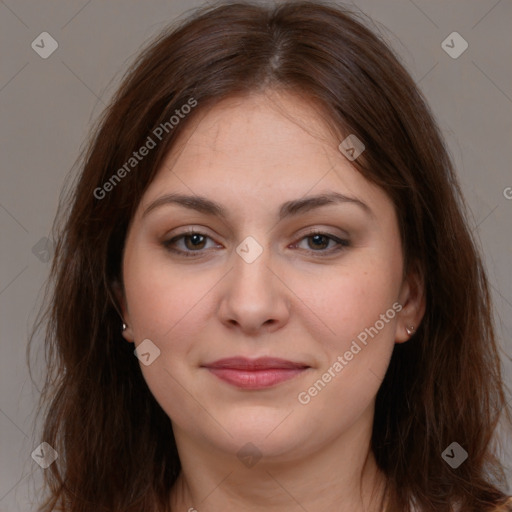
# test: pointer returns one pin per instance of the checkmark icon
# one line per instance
(352, 147)
(249, 249)
(249, 455)
(146, 352)
(44, 45)
(454, 45)
(454, 455)
(44, 455)
(43, 250)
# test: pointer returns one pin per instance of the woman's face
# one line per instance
(258, 282)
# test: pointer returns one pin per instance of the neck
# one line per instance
(342, 475)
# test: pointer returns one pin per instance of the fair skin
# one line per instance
(299, 300)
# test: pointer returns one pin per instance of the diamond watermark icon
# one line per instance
(454, 455)
(351, 147)
(43, 250)
(147, 352)
(44, 455)
(454, 45)
(249, 250)
(249, 455)
(44, 45)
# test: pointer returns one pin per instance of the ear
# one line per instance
(120, 298)
(412, 299)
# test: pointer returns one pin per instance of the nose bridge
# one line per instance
(253, 295)
(251, 264)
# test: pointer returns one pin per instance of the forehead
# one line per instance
(258, 147)
(270, 128)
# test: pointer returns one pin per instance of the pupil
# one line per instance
(317, 238)
(196, 239)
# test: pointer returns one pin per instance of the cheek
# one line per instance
(356, 309)
(165, 306)
(353, 298)
(353, 361)
(163, 300)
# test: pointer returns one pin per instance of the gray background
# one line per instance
(47, 107)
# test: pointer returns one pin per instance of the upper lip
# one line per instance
(262, 363)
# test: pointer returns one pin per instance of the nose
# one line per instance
(254, 298)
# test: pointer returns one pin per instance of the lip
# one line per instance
(258, 373)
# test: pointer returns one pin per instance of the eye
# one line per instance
(318, 241)
(194, 242)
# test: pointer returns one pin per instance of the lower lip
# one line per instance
(256, 379)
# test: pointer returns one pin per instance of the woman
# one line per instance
(268, 219)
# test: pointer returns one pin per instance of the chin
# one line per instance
(268, 434)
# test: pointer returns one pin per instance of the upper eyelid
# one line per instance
(310, 232)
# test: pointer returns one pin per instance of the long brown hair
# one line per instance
(115, 443)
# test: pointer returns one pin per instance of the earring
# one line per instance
(124, 326)
(410, 330)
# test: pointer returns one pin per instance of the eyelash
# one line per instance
(342, 243)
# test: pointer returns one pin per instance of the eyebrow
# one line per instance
(288, 209)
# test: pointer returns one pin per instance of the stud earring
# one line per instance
(124, 326)
(410, 330)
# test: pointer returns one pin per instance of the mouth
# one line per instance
(259, 373)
